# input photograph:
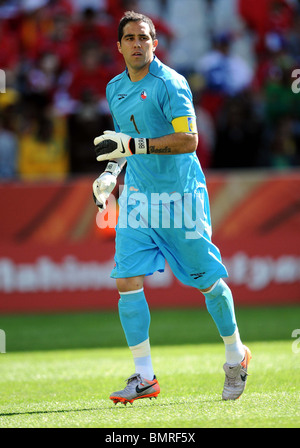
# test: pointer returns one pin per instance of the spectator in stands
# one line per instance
(9, 9)
(91, 76)
(10, 52)
(89, 29)
(90, 114)
(239, 134)
(9, 150)
(33, 25)
(59, 7)
(224, 73)
(83, 123)
(293, 38)
(266, 16)
(41, 83)
(43, 153)
(9, 55)
(205, 123)
(279, 99)
(60, 41)
(283, 147)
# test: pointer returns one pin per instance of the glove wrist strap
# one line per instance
(139, 145)
(113, 168)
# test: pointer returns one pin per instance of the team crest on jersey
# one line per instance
(143, 95)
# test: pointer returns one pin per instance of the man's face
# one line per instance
(137, 47)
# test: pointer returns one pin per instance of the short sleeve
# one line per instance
(177, 99)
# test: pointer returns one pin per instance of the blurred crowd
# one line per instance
(56, 57)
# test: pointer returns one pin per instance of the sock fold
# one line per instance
(234, 348)
(142, 359)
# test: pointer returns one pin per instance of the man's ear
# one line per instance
(119, 47)
(155, 43)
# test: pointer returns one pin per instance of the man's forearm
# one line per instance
(178, 143)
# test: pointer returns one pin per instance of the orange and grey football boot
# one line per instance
(236, 377)
(137, 387)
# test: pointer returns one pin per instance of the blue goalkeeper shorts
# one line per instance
(178, 232)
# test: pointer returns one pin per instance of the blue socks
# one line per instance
(135, 319)
(219, 303)
(135, 316)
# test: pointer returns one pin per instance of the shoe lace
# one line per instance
(231, 380)
(135, 376)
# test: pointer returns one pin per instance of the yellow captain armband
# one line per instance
(185, 124)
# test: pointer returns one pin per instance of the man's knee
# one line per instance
(210, 288)
(130, 283)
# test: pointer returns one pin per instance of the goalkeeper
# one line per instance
(155, 133)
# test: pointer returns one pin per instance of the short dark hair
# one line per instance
(131, 16)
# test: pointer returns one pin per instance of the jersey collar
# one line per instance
(153, 67)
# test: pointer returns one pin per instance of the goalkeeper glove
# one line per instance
(106, 182)
(113, 145)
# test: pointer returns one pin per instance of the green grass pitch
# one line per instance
(58, 371)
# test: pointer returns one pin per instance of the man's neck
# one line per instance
(138, 75)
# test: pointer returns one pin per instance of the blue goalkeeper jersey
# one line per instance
(159, 104)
